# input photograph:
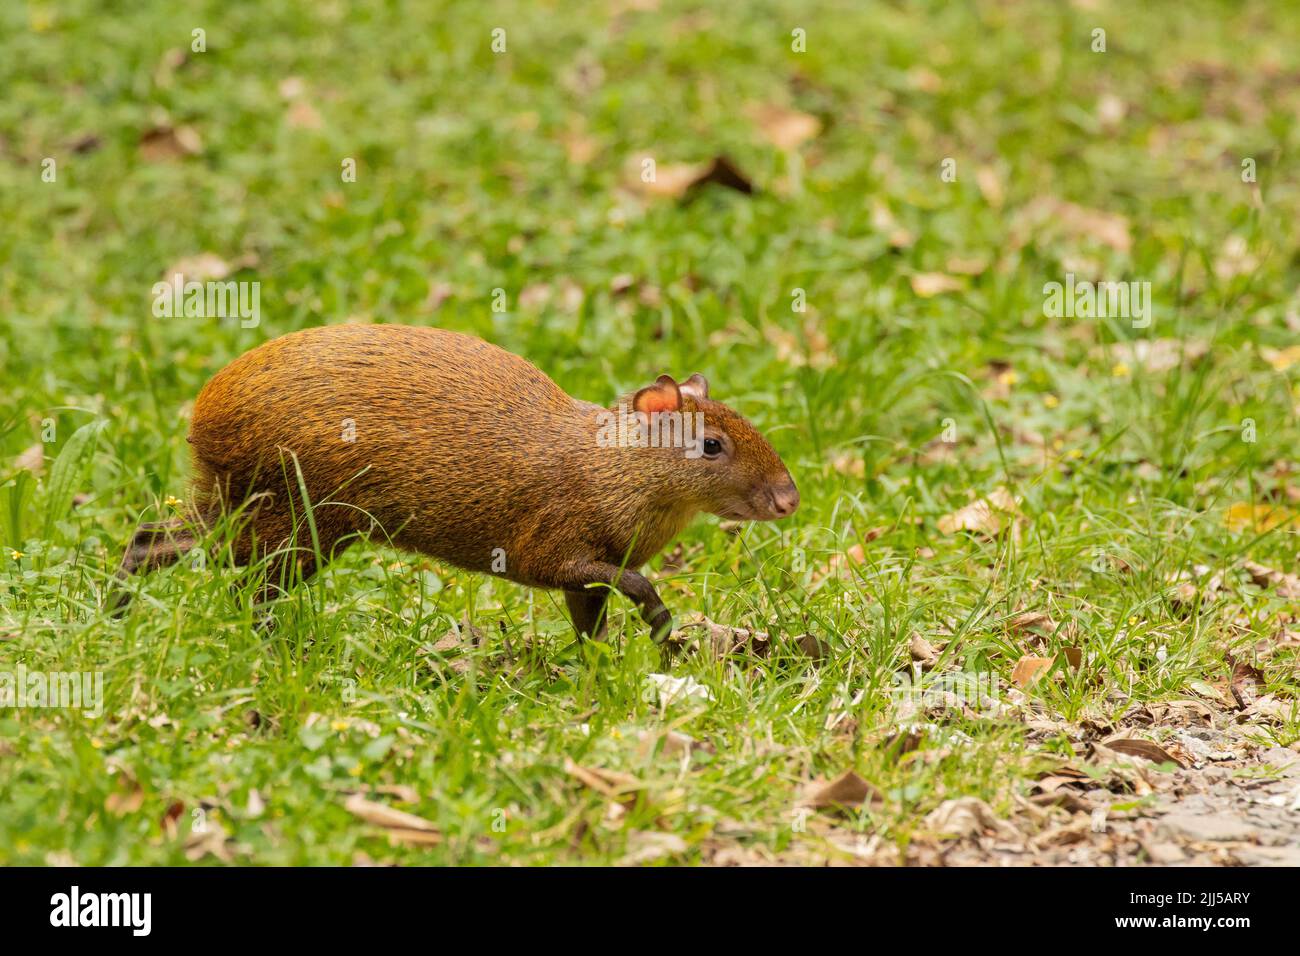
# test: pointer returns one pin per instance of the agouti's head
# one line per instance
(721, 462)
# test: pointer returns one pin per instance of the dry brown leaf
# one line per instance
(31, 459)
(990, 186)
(1286, 585)
(122, 802)
(1281, 359)
(923, 652)
(1029, 669)
(1243, 516)
(610, 783)
(967, 265)
(201, 267)
(580, 148)
(1137, 747)
(929, 284)
(786, 129)
(721, 640)
(382, 815)
(846, 790)
(1078, 222)
(163, 143)
(646, 846)
(964, 817)
(674, 743)
(302, 115)
(676, 180)
(1035, 622)
(984, 516)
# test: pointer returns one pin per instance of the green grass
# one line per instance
(1124, 473)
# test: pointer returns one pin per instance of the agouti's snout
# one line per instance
(446, 445)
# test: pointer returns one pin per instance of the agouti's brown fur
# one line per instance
(452, 447)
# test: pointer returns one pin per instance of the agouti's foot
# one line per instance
(661, 626)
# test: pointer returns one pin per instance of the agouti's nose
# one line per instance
(785, 499)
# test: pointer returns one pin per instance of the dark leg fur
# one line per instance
(587, 609)
(156, 544)
(636, 587)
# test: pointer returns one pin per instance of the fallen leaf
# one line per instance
(302, 115)
(846, 790)
(122, 802)
(382, 815)
(967, 266)
(990, 186)
(31, 459)
(164, 143)
(1137, 747)
(671, 689)
(722, 640)
(1032, 622)
(580, 148)
(1029, 669)
(673, 743)
(984, 516)
(923, 652)
(1244, 516)
(964, 817)
(1285, 585)
(610, 783)
(677, 180)
(1075, 221)
(1281, 359)
(786, 129)
(929, 284)
(202, 267)
(644, 847)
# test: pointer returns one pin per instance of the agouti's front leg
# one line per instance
(587, 610)
(636, 587)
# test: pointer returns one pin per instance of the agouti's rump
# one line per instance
(449, 446)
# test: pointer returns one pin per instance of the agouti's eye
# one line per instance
(712, 447)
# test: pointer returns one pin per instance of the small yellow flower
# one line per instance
(1008, 377)
(174, 502)
(339, 725)
(1051, 401)
(1073, 453)
(1057, 444)
(1120, 370)
(96, 743)
(1132, 621)
(16, 554)
(355, 771)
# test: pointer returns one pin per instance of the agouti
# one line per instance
(446, 445)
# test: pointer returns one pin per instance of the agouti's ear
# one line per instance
(662, 396)
(696, 387)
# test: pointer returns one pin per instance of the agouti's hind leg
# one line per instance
(587, 610)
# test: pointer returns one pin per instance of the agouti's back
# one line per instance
(447, 445)
(418, 428)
